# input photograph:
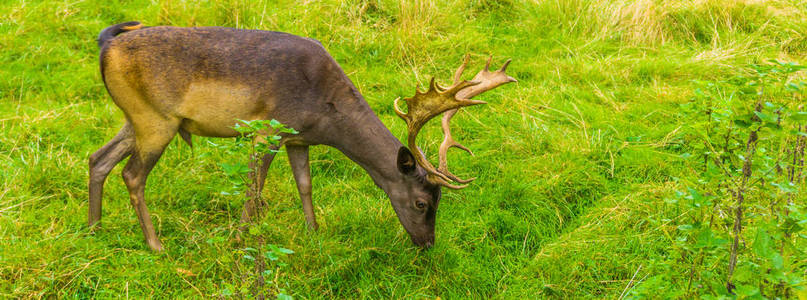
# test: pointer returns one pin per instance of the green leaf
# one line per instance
(215, 240)
(795, 280)
(777, 261)
(748, 90)
(785, 187)
(747, 291)
(694, 194)
(234, 169)
(772, 128)
(766, 117)
(742, 123)
(792, 87)
(698, 200)
(290, 130)
(707, 239)
(685, 227)
(791, 226)
(271, 255)
(762, 244)
(242, 129)
(283, 296)
(799, 116)
(284, 250)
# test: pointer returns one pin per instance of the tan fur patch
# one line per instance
(211, 107)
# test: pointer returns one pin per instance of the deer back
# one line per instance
(210, 76)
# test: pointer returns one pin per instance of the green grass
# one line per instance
(573, 162)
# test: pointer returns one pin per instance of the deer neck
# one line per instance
(365, 140)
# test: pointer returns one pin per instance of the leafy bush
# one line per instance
(741, 230)
(256, 138)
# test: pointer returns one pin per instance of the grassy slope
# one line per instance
(573, 161)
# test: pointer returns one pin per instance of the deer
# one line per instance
(189, 81)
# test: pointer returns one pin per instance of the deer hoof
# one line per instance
(155, 245)
(313, 226)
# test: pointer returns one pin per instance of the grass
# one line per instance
(573, 162)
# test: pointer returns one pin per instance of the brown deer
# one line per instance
(198, 81)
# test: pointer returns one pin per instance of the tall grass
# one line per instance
(574, 162)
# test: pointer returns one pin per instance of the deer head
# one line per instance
(417, 208)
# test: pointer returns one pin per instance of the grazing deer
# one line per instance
(198, 81)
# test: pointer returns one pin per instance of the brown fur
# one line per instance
(170, 80)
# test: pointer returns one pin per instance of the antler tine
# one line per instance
(458, 73)
(398, 110)
(504, 67)
(424, 106)
(448, 140)
(487, 81)
(447, 143)
(435, 176)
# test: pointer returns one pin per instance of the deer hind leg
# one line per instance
(151, 139)
(102, 162)
(298, 159)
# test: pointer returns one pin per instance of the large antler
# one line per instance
(424, 106)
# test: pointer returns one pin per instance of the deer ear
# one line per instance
(406, 161)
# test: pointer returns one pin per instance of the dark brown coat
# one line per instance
(198, 81)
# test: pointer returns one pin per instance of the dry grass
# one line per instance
(573, 161)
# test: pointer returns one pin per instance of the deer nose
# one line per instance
(425, 243)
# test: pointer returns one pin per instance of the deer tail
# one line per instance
(114, 30)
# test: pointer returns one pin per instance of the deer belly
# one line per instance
(212, 108)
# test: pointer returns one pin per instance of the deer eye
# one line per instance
(420, 204)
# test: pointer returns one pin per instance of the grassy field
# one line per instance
(574, 162)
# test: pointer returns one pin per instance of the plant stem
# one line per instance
(254, 196)
(692, 270)
(750, 149)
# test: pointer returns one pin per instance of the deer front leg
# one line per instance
(266, 161)
(250, 210)
(298, 158)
